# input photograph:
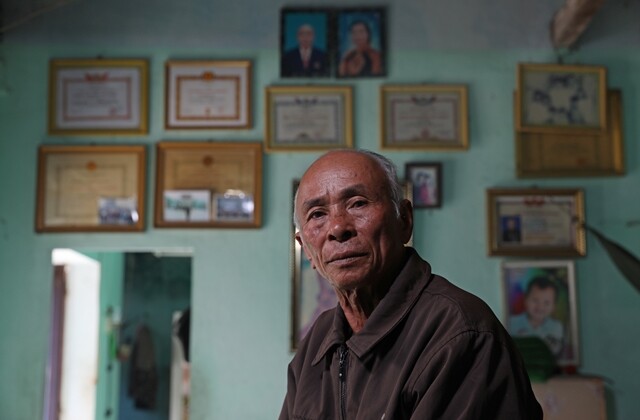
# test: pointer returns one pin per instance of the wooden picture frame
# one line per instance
(91, 189)
(561, 98)
(426, 182)
(98, 97)
(308, 118)
(540, 301)
(562, 154)
(208, 94)
(361, 39)
(208, 185)
(536, 222)
(424, 117)
(306, 42)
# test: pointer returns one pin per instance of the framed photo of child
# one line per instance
(540, 301)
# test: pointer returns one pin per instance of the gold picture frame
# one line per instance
(424, 117)
(308, 118)
(562, 154)
(536, 222)
(540, 277)
(91, 189)
(98, 96)
(208, 94)
(561, 98)
(208, 185)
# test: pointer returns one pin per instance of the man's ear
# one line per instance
(304, 250)
(406, 217)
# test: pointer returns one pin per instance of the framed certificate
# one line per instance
(540, 301)
(308, 118)
(424, 117)
(556, 97)
(536, 222)
(208, 94)
(567, 154)
(207, 184)
(90, 188)
(98, 96)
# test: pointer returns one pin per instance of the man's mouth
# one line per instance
(345, 258)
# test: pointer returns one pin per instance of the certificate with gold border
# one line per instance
(98, 96)
(208, 94)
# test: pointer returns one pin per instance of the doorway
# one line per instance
(137, 323)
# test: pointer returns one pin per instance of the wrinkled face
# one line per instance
(359, 35)
(540, 303)
(349, 229)
(305, 36)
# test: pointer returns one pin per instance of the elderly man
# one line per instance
(403, 343)
(306, 60)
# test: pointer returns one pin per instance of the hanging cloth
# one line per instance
(143, 376)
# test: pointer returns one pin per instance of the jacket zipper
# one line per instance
(342, 377)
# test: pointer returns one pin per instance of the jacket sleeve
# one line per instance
(287, 406)
(474, 376)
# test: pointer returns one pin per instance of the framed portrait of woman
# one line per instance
(361, 42)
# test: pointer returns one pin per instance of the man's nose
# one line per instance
(341, 226)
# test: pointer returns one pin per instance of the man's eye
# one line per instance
(359, 203)
(315, 214)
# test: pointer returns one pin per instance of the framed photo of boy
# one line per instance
(536, 222)
(305, 42)
(426, 181)
(540, 301)
(361, 42)
(558, 97)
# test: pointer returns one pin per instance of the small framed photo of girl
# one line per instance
(540, 301)
(361, 42)
(426, 181)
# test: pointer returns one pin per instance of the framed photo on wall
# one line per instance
(208, 94)
(424, 117)
(543, 155)
(91, 189)
(98, 96)
(540, 301)
(306, 46)
(361, 42)
(558, 97)
(308, 118)
(208, 185)
(536, 222)
(426, 181)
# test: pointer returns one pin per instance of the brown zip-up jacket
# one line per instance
(429, 350)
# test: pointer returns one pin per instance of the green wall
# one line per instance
(241, 278)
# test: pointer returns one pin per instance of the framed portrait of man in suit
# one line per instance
(305, 43)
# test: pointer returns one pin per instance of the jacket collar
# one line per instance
(392, 309)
